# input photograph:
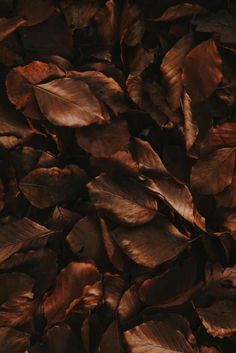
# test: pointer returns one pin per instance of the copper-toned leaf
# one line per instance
(151, 244)
(202, 70)
(34, 263)
(227, 198)
(17, 311)
(114, 252)
(106, 22)
(71, 284)
(103, 141)
(68, 102)
(171, 68)
(45, 187)
(219, 318)
(172, 287)
(15, 284)
(112, 338)
(214, 172)
(179, 11)
(222, 22)
(129, 304)
(59, 338)
(35, 12)
(191, 129)
(148, 160)
(78, 14)
(156, 337)
(19, 85)
(85, 240)
(221, 282)
(125, 200)
(104, 88)
(9, 25)
(20, 235)
(178, 196)
(13, 341)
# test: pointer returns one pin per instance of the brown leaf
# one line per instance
(151, 244)
(179, 11)
(103, 141)
(45, 187)
(13, 341)
(148, 160)
(219, 319)
(104, 88)
(78, 14)
(34, 263)
(85, 240)
(20, 235)
(124, 200)
(170, 288)
(17, 311)
(59, 338)
(177, 196)
(171, 68)
(72, 283)
(191, 128)
(112, 338)
(202, 70)
(221, 22)
(9, 25)
(35, 12)
(214, 172)
(20, 81)
(227, 198)
(15, 284)
(106, 22)
(221, 282)
(156, 337)
(2, 202)
(129, 304)
(68, 102)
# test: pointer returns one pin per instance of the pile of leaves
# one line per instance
(117, 179)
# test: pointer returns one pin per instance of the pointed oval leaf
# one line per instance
(68, 102)
(125, 200)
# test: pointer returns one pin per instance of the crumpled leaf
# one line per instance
(219, 318)
(202, 71)
(156, 337)
(214, 172)
(68, 102)
(151, 244)
(72, 283)
(45, 187)
(124, 200)
(15, 284)
(221, 282)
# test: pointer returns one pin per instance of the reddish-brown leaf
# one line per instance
(103, 141)
(214, 172)
(151, 244)
(72, 283)
(202, 70)
(124, 200)
(45, 187)
(35, 12)
(9, 25)
(179, 11)
(13, 341)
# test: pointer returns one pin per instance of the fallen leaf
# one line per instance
(219, 319)
(35, 12)
(45, 187)
(124, 200)
(72, 283)
(151, 244)
(214, 172)
(9, 25)
(179, 11)
(13, 341)
(68, 102)
(202, 70)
